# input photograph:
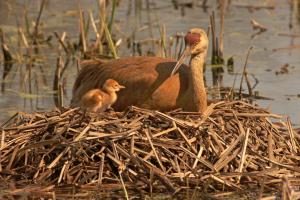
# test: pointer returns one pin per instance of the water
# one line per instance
(60, 15)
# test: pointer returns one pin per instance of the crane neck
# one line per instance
(196, 85)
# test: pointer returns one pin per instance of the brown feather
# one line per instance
(146, 79)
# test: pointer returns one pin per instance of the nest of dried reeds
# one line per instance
(232, 147)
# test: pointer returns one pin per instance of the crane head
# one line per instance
(196, 42)
(111, 85)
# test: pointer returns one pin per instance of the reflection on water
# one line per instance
(29, 84)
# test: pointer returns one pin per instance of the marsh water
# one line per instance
(273, 48)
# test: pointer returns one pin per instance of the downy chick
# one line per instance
(98, 100)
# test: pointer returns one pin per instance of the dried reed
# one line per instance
(231, 148)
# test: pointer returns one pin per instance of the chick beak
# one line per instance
(121, 87)
(185, 54)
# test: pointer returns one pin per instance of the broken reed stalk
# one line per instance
(60, 95)
(250, 91)
(29, 63)
(244, 74)
(66, 64)
(83, 40)
(6, 51)
(163, 46)
(213, 36)
(223, 8)
(56, 83)
(154, 150)
(26, 45)
(123, 186)
(61, 41)
(217, 43)
(292, 136)
(25, 42)
(179, 44)
(112, 16)
(217, 60)
(170, 46)
(102, 17)
(231, 92)
(243, 153)
(150, 22)
(37, 23)
(98, 42)
(111, 44)
(27, 21)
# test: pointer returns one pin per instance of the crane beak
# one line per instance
(121, 87)
(185, 54)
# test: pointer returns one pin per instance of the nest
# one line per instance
(232, 147)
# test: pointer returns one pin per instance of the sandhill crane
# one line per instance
(148, 80)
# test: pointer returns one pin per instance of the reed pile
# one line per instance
(233, 147)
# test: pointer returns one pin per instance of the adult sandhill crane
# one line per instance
(153, 82)
(97, 100)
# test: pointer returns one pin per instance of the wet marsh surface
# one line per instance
(274, 61)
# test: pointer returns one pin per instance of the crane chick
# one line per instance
(98, 100)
